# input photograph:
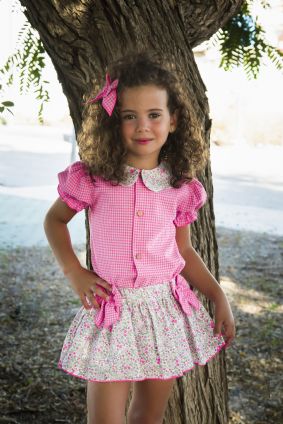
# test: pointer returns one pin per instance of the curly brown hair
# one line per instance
(100, 144)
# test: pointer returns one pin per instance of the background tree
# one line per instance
(241, 42)
(81, 37)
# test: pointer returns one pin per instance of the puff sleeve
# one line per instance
(192, 197)
(75, 186)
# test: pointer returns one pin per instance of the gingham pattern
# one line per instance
(108, 95)
(132, 228)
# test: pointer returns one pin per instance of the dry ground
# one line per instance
(34, 294)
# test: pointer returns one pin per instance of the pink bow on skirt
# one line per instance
(109, 312)
(185, 296)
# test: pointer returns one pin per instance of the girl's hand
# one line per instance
(87, 284)
(224, 317)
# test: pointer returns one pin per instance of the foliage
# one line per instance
(28, 62)
(242, 43)
(5, 105)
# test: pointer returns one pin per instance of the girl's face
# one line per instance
(145, 124)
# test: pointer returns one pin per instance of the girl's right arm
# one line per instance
(84, 282)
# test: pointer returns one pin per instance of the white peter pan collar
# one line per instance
(155, 179)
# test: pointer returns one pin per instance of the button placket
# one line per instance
(139, 213)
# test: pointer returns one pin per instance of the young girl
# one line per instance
(140, 320)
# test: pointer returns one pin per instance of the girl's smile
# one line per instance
(143, 141)
(145, 124)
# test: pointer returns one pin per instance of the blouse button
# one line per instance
(140, 213)
(138, 256)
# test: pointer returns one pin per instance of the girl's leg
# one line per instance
(106, 402)
(149, 401)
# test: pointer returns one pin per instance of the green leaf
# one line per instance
(242, 43)
(8, 103)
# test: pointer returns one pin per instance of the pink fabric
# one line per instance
(110, 310)
(108, 95)
(185, 296)
(133, 230)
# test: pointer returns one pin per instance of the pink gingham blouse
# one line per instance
(133, 229)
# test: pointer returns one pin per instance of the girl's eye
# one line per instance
(154, 115)
(128, 117)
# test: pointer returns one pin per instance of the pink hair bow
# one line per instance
(108, 95)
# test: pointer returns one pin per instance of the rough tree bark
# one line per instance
(81, 36)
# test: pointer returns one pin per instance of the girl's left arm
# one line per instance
(197, 274)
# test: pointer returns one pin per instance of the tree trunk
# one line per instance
(81, 37)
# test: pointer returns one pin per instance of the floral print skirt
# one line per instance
(153, 339)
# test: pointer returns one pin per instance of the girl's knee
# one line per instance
(106, 402)
(139, 416)
(149, 402)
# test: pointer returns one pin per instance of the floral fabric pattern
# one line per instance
(156, 179)
(153, 339)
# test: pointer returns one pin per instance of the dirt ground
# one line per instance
(37, 306)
